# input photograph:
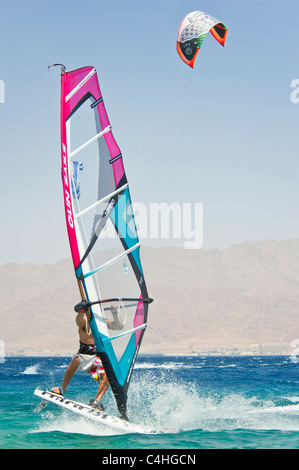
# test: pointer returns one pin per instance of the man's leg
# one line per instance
(69, 374)
(104, 384)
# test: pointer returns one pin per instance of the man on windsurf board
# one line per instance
(87, 358)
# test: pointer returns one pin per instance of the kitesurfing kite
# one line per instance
(194, 28)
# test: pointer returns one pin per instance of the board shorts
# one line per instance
(90, 362)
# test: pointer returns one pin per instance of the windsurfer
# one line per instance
(87, 360)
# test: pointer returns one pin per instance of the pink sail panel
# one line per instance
(75, 85)
(139, 319)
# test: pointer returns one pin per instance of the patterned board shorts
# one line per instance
(90, 364)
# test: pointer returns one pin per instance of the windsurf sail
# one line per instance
(101, 228)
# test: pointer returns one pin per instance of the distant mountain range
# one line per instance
(204, 299)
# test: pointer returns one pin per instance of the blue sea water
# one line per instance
(202, 403)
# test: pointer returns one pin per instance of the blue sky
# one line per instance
(224, 134)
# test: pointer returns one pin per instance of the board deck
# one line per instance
(87, 411)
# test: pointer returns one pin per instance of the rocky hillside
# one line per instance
(248, 293)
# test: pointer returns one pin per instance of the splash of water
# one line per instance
(31, 370)
(172, 406)
(181, 407)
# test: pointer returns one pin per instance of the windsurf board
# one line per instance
(89, 412)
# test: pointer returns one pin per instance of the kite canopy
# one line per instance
(194, 28)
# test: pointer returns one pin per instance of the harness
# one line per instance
(88, 349)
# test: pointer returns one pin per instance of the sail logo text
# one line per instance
(109, 208)
(67, 196)
(68, 209)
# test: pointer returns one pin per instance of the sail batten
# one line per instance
(74, 90)
(97, 198)
(111, 261)
(90, 141)
(141, 327)
(105, 198)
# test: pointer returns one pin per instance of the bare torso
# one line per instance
(85, 335)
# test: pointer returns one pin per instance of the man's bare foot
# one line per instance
(57, 390)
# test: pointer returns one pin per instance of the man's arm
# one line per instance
(79, 318)
(114, 324)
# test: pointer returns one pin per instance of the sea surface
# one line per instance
(192, 402)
